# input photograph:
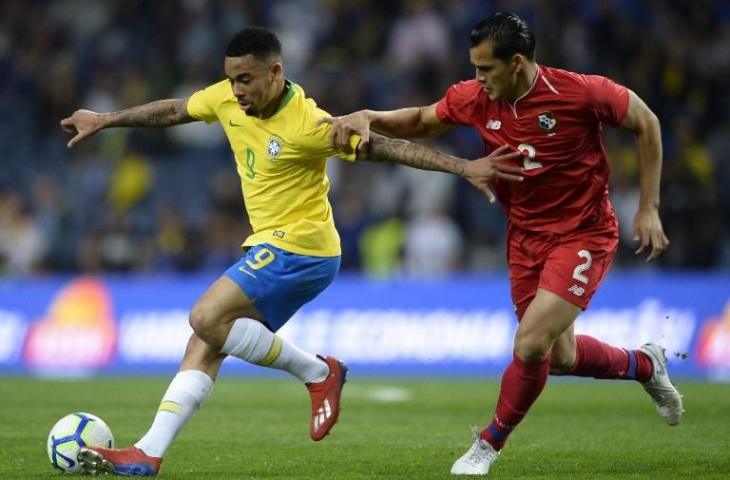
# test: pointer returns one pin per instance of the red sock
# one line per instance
(521, 385)
(596, 359)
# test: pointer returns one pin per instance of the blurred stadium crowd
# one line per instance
(146, 200)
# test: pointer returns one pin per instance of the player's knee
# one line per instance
(532, 347)
(202, 321)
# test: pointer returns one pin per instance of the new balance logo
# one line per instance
(578, 291)
(324, 412)
(494, 125)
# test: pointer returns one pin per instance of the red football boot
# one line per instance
(130, 462)
(326, 398)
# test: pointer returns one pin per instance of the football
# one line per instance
(72, 432)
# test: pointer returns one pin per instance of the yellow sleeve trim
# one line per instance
(350, 157)
(202, 104)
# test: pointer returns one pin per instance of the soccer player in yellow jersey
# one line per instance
(280, 146)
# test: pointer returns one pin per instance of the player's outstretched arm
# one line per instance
(161, 113)
(648, 230)
(415, 122)
(478, 172)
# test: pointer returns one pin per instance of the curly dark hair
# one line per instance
(257, 41)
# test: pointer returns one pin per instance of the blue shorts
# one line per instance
(280, 282)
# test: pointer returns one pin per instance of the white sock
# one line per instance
(251, 341)
(186, 393)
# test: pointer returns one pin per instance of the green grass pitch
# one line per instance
(414, 429)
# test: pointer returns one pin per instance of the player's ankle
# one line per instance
(143, 452)
(497, 445)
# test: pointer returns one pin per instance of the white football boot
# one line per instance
(477, 460)
(666, 397)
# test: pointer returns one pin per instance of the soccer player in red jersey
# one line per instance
(562, 231)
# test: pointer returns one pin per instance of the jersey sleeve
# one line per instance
(458, 103)
(316, 140)
(608, 99)
(202, 105)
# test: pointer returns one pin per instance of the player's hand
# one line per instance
(344, 127)
(83, 123)
(481, 171)
(649, 233)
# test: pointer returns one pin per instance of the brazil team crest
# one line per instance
(547, 121)
(273, 149)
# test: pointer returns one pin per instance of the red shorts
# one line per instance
(570, 265)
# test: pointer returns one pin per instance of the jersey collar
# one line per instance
(287, 98)
(513, 105)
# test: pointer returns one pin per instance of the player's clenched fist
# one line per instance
(357, 123)
(83, 123)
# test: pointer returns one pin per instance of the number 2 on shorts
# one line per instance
(262, 258)
(578, 272)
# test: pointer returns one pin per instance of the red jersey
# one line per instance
(556, 124)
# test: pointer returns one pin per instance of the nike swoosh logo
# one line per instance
(246, 272)
(230, 122)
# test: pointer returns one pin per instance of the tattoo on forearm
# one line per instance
(161, 113)
(385, 149)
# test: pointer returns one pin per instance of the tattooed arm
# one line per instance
(161, 113)
(386, 149)
(478, 172)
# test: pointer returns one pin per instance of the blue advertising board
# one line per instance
(452, 327)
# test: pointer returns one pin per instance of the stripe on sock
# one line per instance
(170, 406)
(497, 434)
(632, 364)
(273, 353)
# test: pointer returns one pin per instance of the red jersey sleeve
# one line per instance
(459, 103)
(608, 99)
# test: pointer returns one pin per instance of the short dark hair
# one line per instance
(509, 35)
(256, 41)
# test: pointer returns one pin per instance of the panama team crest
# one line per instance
(274, 148)
(547, 121)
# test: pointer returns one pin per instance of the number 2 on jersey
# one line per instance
(528, 161)
(578, 272)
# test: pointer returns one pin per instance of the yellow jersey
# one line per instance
(281, 161)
